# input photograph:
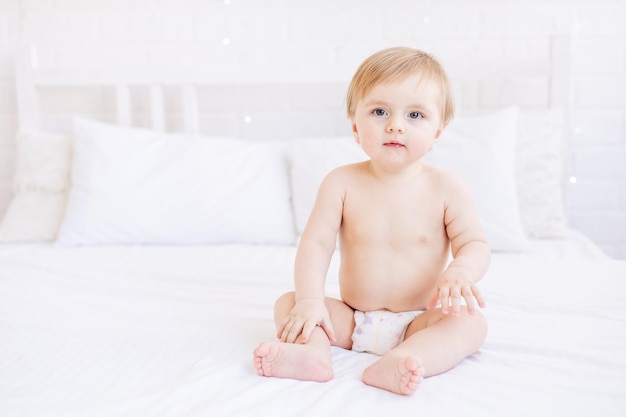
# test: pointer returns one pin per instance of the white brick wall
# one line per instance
(598, 155)
(282, 35)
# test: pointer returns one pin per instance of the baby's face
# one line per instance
(398, 122)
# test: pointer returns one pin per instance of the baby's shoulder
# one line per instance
(444, 178)
(348, 171)
(342, 177)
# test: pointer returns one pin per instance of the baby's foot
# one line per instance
(402, 375)
(290, 360)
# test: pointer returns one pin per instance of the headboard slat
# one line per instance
(28, 112)
(559, 81)
(190, 108)
(156, 107)
(122, 102)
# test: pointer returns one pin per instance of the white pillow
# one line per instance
(133, 186)
(35, 212)
(539, 174)
(480, 149)
(310, 159)
(41, 184)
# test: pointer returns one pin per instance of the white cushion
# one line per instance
(539, 172)
(479, 149)
(43, 165)
(41, 184)
(310, 159)
(132, 186)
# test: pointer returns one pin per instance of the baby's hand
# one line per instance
(303, 318)
(451, 287)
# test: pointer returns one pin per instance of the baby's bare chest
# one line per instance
(396, 218)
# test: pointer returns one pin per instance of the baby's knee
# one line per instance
(286, 298)
(284, 303)
(478, 322)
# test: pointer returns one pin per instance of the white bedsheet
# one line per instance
(169, 331)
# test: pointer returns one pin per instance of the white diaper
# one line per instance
(380, 331)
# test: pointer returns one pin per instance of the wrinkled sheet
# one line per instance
(169, 331)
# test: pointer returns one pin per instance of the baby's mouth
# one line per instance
(394, 145)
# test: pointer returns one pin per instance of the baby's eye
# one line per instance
(415, 115)
(379, 112)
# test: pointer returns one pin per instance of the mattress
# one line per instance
(170, 330)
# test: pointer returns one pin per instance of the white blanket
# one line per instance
(169, 331)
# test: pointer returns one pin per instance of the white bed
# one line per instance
(106, 309)
(169, 331)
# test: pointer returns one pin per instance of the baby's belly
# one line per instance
(374, 275)
(372, 289)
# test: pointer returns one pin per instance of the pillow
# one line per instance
(36, 210)
(310, 160)
(480, 149)
(539, 173)
(134, 186)
(41, 183)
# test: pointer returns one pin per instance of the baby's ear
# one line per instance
(442, 127)
(437, 137)
(355, 132)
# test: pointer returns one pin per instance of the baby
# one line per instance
(397, 220)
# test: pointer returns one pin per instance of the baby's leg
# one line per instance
(434, 343)
(310, 361)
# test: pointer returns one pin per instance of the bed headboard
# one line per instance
(265, 102)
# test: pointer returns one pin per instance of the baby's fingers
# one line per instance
(466, 292)
(472, 294)
(444, 299)
(478, 295)
(291, 330)
(284, 328)
(328, 328)
(455, 301)
(306, 331)
(281, 328)
(434, 300)
(308, 327)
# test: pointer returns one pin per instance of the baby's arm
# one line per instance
(470, 250)
(316, 248)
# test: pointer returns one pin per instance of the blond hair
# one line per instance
(396, 64)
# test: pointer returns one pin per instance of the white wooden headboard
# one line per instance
(240, 102)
